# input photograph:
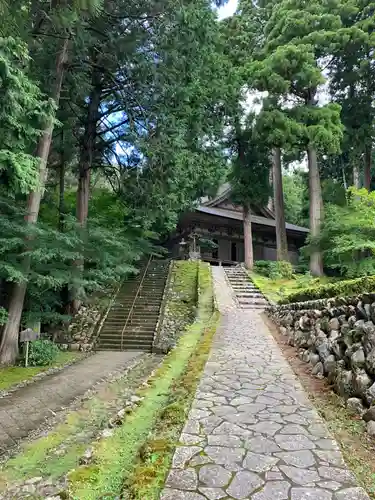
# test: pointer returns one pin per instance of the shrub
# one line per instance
(274, 269)
(42, 353)
(341, 289)
(284, 269)
(262, 267)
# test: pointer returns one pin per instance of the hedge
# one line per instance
(341, 289)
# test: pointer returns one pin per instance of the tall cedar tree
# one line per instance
(299, 38)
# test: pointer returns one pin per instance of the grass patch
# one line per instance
(116, 456)
(155, 458)
(58, 452)
(14, 375)
(278, 289)
(350, 432)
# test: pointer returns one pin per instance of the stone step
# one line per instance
(253, 306)
(142, 308)
(138, 313)
(249, 294)
(245, 288)
(137, 320)
(142, 337)
(126, 341)
(130, 326)
(117, 339)
(143, 305)
(129, 347)
(129, 330)
(253, 302)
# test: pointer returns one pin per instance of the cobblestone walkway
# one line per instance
(252, 432)
(26, 409)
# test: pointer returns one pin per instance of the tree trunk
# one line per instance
(84, 168)
(87, 150)
(271, 200)
(356, 176)
(9, 341)
(281, 238)
(248, 238)
(62, 211)
(316, 210)
(367, 168)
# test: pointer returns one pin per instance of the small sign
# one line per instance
(29, 335)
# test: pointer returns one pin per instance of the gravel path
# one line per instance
(252, 432)
(26, 409)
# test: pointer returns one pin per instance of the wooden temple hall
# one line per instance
(213, 232)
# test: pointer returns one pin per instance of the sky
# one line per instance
(228, 9)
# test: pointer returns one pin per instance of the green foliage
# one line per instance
(22, 110)
(109, 252)
(42, 353)
(284, 269)
(348, 234)
(295, 190)
(274, 269)
(3, 316)
(263, 267)
(346, 288)
(249, 176)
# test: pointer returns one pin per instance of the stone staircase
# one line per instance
(248, 296)
(132, 320)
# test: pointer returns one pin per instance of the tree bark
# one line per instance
(87, 150)
(356, 177)
(248, 238)
(9, 340)
(62, 211)
(316, 210)
(84, 169)
(367, 168)
(281, 238)
(271, 200)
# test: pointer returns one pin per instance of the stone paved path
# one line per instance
(252, 432)
(26, 409)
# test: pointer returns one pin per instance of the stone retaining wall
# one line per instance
(180, 305)
(337, 337)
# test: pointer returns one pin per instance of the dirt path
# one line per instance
(26, 409)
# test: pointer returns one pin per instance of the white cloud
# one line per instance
(228, 9)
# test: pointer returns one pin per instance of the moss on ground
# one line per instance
(59, 451)
(278, 289)
(14, 375)
(155, 457)
(181, 300)
(116, 456)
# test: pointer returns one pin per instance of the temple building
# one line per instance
(214, 232)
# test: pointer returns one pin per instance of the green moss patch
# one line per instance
(280, 289)
(116, 456)
(14, 375)
(59, 451)
(155, 457)
(345, 288)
